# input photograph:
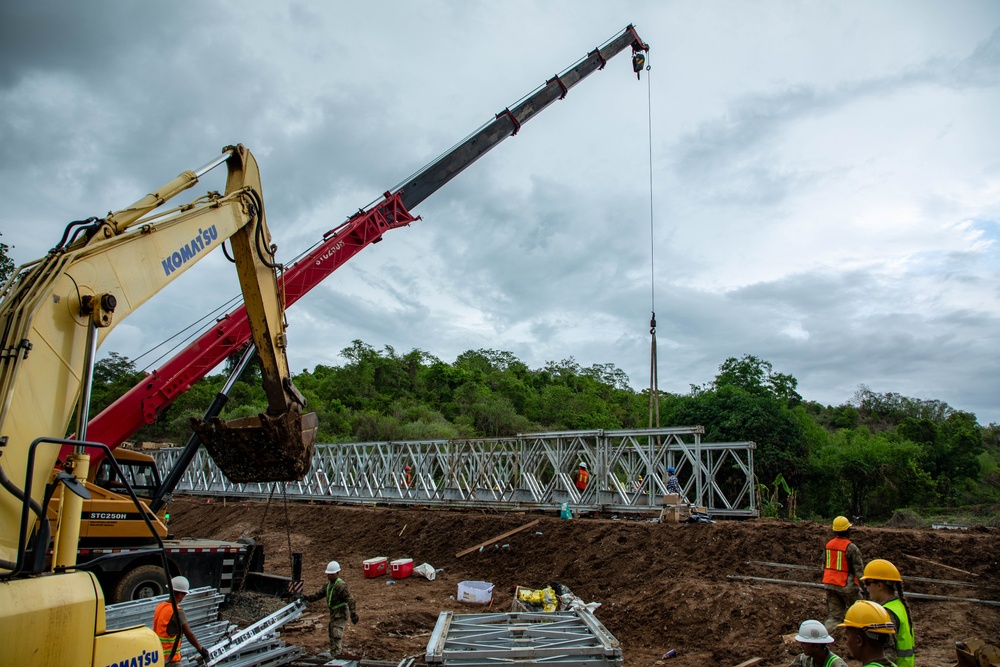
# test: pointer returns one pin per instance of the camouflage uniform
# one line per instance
(832, 660)
(342, 606)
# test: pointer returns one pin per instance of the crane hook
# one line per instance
(638, 63)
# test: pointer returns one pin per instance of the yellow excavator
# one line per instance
(54, 313)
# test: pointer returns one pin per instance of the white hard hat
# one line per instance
(583, 465)
(180, 584)
(333, 567)
(813, 632)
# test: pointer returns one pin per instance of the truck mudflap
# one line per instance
(271, 584)
(262, 448)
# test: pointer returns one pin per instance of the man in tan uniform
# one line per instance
(340, 602)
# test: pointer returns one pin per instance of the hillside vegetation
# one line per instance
(871, 456)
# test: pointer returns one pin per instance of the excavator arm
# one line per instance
(141, 404)
(56, 311)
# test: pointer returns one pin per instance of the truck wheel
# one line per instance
(145, 581)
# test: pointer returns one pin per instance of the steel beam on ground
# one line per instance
(527, 471)
(522, 638)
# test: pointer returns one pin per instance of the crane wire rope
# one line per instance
(654, 388)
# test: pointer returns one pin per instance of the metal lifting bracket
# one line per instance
(561, 85)
(600, 56)
(508, 114)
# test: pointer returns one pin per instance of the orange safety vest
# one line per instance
(835, 565)
(161, 619)
(581, 479)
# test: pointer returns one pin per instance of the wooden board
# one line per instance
(496, 539)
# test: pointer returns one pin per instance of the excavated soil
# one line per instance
(661, 586)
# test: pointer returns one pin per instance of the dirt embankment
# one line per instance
(661, 587)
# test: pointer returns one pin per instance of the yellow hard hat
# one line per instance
(840, 524)
(870, 617)
(881, 570)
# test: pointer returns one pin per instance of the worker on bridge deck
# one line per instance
(167, 628)
(842, 565)
(581, 477)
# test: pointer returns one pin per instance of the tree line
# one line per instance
(874, 454)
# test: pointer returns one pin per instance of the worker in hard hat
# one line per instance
(869, 631)
(340, 603)
(407, 476)
(674, 484)
(885, 586)
(814, 642)
(842, 565)
(581, 477)
(167, 627)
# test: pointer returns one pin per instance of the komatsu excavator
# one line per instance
(54, 313)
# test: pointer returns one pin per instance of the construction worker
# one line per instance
(340, 602)
(166, 626)
(408, 476)
(582, 477)
(674, 484)
(842, 565)
(885, 586)
(814, 642)
(869, 631)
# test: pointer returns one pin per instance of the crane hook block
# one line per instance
(638, 63)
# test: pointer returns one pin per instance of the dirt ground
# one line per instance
(661, 586)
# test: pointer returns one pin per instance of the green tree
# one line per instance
(6, 263)
(113, 376)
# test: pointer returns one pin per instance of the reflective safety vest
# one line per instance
(832, 658)
(581, 479)
(835, 565)
(904, 633)
(161, 620)
(329, 595)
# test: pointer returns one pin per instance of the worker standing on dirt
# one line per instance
(167, 628)
(814, 642)
(869, 631)
(581, 477)
(885, 586)
(842, 565)
(340, 602)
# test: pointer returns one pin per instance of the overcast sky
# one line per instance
(825, 175)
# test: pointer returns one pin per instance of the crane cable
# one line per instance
(654, 386)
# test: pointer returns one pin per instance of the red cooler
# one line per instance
(376, 567)
(402, 568)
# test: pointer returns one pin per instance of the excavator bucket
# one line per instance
(262, 448)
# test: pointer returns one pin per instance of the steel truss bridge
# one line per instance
(628, 472)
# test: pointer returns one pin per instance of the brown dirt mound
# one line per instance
(661, 586)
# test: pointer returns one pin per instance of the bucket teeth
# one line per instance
(263, 448)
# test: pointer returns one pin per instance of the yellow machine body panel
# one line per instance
(58, 621)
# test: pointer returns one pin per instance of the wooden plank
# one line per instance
(750, 662)
(496, 539)
(948, 567)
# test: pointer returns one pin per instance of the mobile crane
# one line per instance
(112, 541)
(141, 404)
(55, 312)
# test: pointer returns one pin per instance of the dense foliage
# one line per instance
(872, 455)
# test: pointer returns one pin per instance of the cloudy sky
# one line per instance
(825, 175)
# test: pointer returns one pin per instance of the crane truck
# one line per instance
(114, 540)
(55, 312)
(147, 399)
